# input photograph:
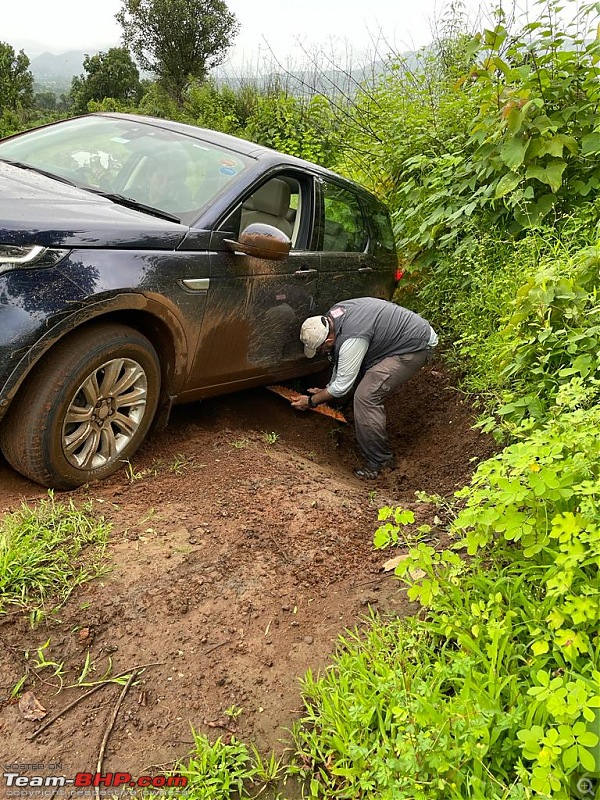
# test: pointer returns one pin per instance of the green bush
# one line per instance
(296, 126)
(553, 335)
(221, 108)
(495, 693)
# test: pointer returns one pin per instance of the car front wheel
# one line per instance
(86, 409)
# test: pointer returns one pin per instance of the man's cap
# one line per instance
(313, 333)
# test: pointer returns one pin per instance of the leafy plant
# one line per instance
(180, 464)
(538, 96)
(271, 437)
(134, 474)
(528, 152)
(47, 550)
(298, 127)
(34, 664)
(112, 74)
(553, 337)
(233, 712)
(523, 611)
(494, 691)
(226, 769)
(16, 79)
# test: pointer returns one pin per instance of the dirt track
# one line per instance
(236, 565)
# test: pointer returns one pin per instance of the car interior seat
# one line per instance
(269, 204)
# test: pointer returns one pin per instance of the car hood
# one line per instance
(35, 209)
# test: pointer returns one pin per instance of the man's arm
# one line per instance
(345, 372)
(352, 354)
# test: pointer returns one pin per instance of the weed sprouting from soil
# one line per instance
(47, 550)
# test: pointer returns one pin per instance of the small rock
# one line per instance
(369, 601)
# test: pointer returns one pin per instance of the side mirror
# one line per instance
(261, 241)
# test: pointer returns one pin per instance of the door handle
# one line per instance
(302, 272)
(365, 269)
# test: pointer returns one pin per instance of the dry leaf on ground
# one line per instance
(30, 707)
(392, 563)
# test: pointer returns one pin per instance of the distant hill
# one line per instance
(62, 64)
(53, 72)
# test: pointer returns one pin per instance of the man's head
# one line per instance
(313, 334)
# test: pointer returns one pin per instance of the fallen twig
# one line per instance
(377, 579)
(284, 555)
(109, 728)
(216, 646)
(49, 722)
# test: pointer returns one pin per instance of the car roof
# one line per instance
(242, 146)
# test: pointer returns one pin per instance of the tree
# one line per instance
(16, 81)
(111, 74)
(44, 101)
(178, 40)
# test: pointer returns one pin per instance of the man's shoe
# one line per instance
(366, 473)
(370, 473)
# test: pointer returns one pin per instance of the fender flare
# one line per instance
(127, 301)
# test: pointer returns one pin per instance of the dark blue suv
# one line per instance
(145, 263)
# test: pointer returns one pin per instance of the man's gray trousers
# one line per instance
(378, 383)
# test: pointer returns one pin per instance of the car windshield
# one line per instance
(164, 169)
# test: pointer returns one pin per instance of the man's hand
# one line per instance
(301, 403)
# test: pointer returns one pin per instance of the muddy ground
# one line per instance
(241, 548)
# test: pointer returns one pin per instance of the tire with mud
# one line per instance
(85, 409)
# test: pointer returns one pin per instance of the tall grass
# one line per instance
(47, 550)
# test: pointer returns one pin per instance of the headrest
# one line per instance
(272, 198)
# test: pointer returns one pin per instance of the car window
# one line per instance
(344, 224)
(168, 170)
(281, 201)
(382, 227)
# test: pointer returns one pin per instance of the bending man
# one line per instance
(377, 346)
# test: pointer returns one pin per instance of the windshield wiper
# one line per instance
(23, 165)
(129, 202)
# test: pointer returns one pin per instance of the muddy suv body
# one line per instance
(125, 285)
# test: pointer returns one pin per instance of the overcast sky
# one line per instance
(287, 28)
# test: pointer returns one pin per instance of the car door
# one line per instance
(255, 307)
(351, 256)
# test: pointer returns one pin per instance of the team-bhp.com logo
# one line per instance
(18, 784)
